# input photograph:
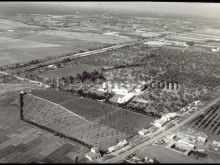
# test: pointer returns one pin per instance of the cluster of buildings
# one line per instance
(147, 132)
(122, 94)
(186, 143)
(165, 119)
(191, 106)
(94, 154)
(132, 159)
(215, 49)
(117, 146)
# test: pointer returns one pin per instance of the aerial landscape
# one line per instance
(101, 82)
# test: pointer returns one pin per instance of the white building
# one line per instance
(164, 119)
(185, 145)
(92, 156)
(201, 139)
(95, 150)
(126, 98)
(143, 132)
(52, 66)
(216, 143)
(215, 49)
(197, 102)
(118, 146)
(161, 122)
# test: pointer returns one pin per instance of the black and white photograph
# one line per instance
(109, 82)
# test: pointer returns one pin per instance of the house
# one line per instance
(185, 145)
(216, 143)
(216, 49)
(161, 122)
(52, 66)
(121, 99)
(95, 150)
(92, 156)
(197, 102)
(143, 132)
(201, 139)
(117, 146)
(164, 119)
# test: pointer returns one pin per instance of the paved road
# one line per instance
(122, 156)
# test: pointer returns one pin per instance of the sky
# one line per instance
(211, 10)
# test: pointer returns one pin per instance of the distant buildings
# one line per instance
(216, 49)
(147, 131)
(216, 143)
(52, 66)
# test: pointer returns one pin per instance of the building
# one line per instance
(143, 132)
(161, 122)
(201, 139)
(216, 49)
(52, 66)
(95, 150)
(216, 143)
(197, 102)
(117, 146)
(121, 99)
(92, 156)
(164, 119)
(185, 145)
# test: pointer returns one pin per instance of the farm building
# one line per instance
(52, 66)
(185, 145)
(121, 99)
(215, 49)
(164, 119)
(118, 146)
(95, 150)
(201, 139)
(92, 156)
(143, 132)
(216, 143)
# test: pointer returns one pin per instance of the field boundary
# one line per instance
(49, 129)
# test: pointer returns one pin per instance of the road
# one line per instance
(22, 79)
(79, 55)
(122, 156)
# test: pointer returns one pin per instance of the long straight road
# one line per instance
(122, 156)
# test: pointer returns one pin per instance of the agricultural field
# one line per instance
(60, 120)
(68, 70)
(110, 116)
(89, 37)
(208, 122)
(21, 142)
(200, 35)
(7, 24)
(126, 121)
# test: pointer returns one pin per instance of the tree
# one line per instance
(190, 43)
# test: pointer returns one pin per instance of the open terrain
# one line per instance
(21, 142)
